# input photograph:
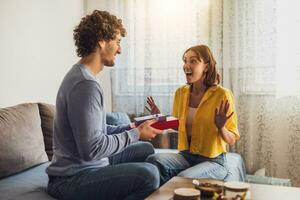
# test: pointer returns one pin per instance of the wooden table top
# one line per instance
(257, 191)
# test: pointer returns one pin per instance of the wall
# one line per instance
(37, 48)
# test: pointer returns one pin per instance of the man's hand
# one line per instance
(147, 132)
(221, 115)
(132, 125)
(152, 107)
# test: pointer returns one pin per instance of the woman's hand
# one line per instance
(221, 119)
(221, 114)
(151, 106)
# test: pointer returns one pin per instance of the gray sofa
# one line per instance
(26, 148)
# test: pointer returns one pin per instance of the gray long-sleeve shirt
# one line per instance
(81, 137)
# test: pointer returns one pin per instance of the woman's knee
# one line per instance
(169, 160)
(151, 158)
(158, 157)
(205, 170)
(159, 160)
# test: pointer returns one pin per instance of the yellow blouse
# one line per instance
(205, 139)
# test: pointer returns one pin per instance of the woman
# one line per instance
(207, 121)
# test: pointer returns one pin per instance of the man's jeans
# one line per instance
(127, 177)
(189, 165)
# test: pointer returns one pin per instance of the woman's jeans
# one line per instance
(127, 177)
(189, 165)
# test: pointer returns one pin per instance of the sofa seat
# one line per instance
(27, 185)
(25, 153)
(32, 183)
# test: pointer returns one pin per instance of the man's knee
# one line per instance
(145, 148)
(150, 175)
(148, 147)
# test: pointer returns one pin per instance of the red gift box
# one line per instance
(169, 123)
(158, 117)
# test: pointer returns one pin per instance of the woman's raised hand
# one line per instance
(221, 114)
(151, 106)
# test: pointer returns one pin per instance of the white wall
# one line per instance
(36, 48)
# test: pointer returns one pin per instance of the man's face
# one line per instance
(110, 50)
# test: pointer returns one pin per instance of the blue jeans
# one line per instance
(127, 177)
(189, 165)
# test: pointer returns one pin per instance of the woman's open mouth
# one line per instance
(188, 74)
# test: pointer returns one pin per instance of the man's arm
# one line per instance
(111, 129)
(85, 113)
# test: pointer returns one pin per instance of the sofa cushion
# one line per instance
(21, 143)
(30, 184)
(117, 118)
(268, 180)
(47, 115)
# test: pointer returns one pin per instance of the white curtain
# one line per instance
(151, 62)
(261, 56)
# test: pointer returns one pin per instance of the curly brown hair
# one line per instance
(212, 77)
(98, 26)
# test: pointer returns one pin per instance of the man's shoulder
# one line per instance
(75, 80)
(78, 73)
(86, 87)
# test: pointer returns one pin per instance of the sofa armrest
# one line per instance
(268, 180)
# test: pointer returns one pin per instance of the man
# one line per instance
(91, 159)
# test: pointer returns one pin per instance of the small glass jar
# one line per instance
(186, 194)
(234, 189)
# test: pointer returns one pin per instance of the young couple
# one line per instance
(93, 160)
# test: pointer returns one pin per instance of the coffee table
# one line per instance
(257, 191)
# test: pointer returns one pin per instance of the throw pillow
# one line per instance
(117, 118)
(47, 116)
(21, 143)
